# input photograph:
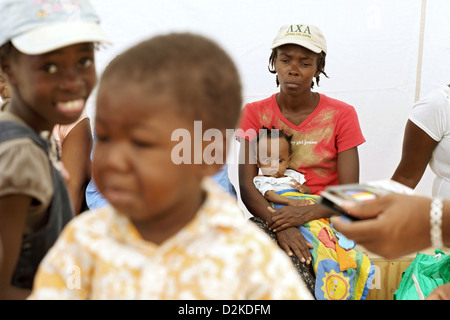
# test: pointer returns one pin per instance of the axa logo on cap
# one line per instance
(299, 30)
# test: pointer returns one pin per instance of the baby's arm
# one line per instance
(274, 197)
(300, 187)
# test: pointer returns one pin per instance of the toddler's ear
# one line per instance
(214, 153)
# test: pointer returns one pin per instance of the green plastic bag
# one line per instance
(424, 274)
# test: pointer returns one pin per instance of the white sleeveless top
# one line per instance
(432, 115)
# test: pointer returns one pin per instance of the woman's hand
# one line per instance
(292, 242)
(440, 293)
(391, 226)
(290, 216)
(285, 222)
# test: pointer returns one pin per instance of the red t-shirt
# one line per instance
(331, 128)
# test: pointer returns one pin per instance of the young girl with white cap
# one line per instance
(47, 54)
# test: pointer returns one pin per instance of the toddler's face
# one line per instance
(273, 156)
(132, 163)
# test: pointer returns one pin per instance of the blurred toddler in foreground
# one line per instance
(169, 231)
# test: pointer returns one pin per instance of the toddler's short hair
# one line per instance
(196, 71)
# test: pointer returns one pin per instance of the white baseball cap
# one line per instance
(37, 27)
(304, 35)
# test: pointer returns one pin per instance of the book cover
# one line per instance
(334, 197)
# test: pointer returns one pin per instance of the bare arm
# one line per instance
(348, 172)
(303, 188)
(274, 197)
(416, 153)
(13, 212)
(348, 166)
(76, 151)
(256, 204)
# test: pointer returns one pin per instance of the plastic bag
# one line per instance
(424, 274)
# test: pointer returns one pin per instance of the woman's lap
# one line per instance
(306, 271)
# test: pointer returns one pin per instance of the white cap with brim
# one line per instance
(307, 36)
(58, 35)
(36, 27)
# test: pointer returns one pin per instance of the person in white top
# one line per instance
(427, 141)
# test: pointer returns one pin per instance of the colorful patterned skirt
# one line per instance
(341, 272)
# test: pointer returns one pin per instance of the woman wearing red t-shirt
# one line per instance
(326, 134)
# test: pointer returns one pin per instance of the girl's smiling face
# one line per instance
(52, 88)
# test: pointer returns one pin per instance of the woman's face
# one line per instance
(296, 67)
(52, 88)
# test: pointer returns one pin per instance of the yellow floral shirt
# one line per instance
(218, 255)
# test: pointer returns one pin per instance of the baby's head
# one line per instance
(169, 87)
(273, 151)
(192, 70)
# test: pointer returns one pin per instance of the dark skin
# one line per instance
(77, 145)
(133, 165)
(395, 225)
(296, 67)
(275, 165)
(39, 82)
(440, 293)
(76, 153)
(418, 147)
(39, 85)
(4, 91)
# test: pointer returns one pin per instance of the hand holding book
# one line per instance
(340, 198)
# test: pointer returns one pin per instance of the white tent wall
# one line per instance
(372, 60)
